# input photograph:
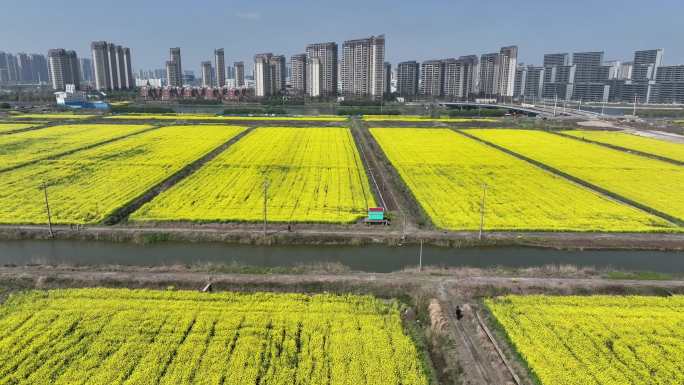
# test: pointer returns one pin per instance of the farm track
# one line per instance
(605, 192)
(372, 170)
(470, 356)
(619, 148)
(123, 212)
(397, 193)
(76, 150)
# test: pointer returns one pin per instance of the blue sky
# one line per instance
(420, 30)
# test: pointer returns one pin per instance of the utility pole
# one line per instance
(404, 231)
(420, 257)
(635, 102)
(482, 209)
(265, 204)
(47, 208)
(555, 105)
(603, 108)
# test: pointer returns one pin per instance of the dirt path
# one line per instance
(655, 134)
(471, 351)
(662, 135)
(313, 234)
(400, 199)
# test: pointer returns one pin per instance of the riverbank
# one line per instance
(466, 283)
(353, 235)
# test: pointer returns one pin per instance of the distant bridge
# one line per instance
(543, 111)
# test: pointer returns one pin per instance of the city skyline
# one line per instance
(415, 31)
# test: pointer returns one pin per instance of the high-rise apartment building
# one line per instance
(112, 68)
(4, 68)
(220, 67)
(458, 78)
(86, 67)
(314, 88)
(669, 86)
(326, 71)
(508, 62)
(40, 68)
(432, 78)
(408, 75)
(363, 67)
(387, 71)
(129, 82)
(587, 64)
(25, 68)
(239, 73)
(529, 82)
(520, 75)
(9, 68)
(207, 74)
(278, 66)
(559, 76)
(646, 64)
(174, 68)
(489, 74)
(556, 60)
(121, 68)
(102, 69)
(298, 77)
(262, 75)
(588, 84)
(63, 68)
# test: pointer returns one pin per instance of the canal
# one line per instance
(371, 258)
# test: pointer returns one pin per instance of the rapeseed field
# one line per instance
(447, 173)
(596, 339)
(87, 186)
(117, 336)
(313, 175)
(653, 183)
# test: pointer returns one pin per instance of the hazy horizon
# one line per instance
(415, 31)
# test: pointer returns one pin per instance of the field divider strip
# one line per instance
(362, 150)
(123, 212)
(499, 352)
(410, 207)
(620, 148)
(75, 150)
(579, 181)
(36, 127)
